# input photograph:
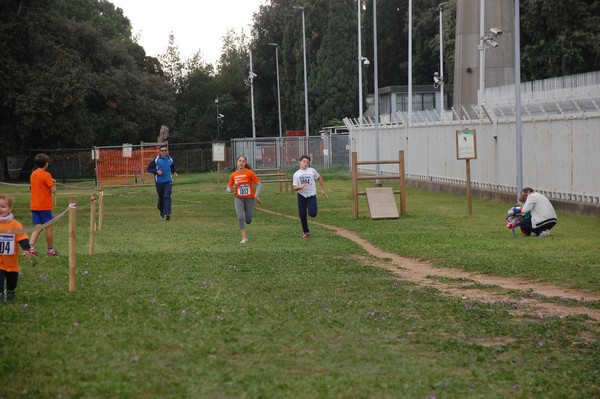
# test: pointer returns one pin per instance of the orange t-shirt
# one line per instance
(41, 190)
(9, 245)
(243, 183)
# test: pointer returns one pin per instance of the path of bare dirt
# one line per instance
(458, 283)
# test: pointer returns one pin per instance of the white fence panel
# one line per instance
(560, 157)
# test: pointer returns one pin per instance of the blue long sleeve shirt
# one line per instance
(164, 163)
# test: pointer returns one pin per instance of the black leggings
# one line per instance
(307, 204)
(12, 278)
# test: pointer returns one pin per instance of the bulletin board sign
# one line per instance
(218, 152)
(127, 150)
(466, 144)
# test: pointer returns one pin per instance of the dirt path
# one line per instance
(459, 283)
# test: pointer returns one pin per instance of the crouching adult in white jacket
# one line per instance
(543, 216)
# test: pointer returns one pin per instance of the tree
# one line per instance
(74, 77)
(335, 78)
(559, 37)
(392, 47)
(171, 64)
(234, 95)
(268, 27)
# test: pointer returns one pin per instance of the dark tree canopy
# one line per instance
(73, 77)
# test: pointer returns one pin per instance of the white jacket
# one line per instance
(541, 209)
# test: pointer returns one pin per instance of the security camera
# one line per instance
(221, 116)
(366, 61)
(252, 75)
(496, 31)
(489, 40)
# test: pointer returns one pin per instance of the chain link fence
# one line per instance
(326, 151)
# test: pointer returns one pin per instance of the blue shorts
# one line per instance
(41, 217)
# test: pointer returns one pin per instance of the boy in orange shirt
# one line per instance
(9, 256)
(42, 187)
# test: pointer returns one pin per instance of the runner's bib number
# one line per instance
(305, 180)
(243, 190)
(7, 244)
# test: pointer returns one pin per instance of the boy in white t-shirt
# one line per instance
(304, 183)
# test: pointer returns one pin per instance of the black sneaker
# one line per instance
(168, 217)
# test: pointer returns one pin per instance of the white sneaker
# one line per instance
(544, 233)
(244, 240)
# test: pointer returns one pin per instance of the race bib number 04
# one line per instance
(7, 244)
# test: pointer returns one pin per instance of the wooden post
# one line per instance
(72, 244)
(354, 186)
(469, 209)
(101, 209)
(218, 172)
(142, 166)
(92, 225)
(280, 170)
(402, 182)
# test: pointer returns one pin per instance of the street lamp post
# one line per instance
(278, 92)
(486, 41)
(250, 82)
(376, 92)
(361, 61)
(219, 118)
(519, 137)
(360, 64)
(305, 78)
(441, 6)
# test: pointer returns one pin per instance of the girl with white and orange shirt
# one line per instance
(245, 185)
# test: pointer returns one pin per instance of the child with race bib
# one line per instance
(11, 234)
(245, 185)
(304, 183)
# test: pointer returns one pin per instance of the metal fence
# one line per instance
(326, 151)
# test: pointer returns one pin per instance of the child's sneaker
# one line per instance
(244, 240)
(306, 235)
(52, 252)
(32, 251)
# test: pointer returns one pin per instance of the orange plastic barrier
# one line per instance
(115, 169)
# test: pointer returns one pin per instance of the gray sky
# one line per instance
(196, 24)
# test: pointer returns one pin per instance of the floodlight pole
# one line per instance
(519, 137)
(306, 126)
(278, 92)
(218, 119)
(481, 57)
(360, 64)
(376, 92)
(252, 97)
(441, 6)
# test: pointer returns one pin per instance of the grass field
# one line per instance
(180, 309)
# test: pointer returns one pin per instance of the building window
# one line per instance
(420, 102)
